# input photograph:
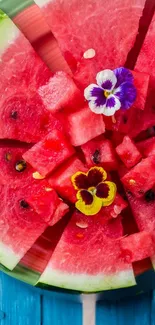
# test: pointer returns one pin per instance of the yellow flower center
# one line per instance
(107, 93)
(92, 190)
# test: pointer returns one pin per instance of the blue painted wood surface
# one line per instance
(22, 305)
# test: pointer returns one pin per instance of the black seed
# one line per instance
(8, 156)
(14, 115)
(125, 119)
(129, 192)
(20, 166)
(150, 196)
(24, 204)
(96, 157)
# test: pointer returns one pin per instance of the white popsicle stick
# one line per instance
(89, 309)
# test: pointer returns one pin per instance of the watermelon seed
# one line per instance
(24, 204)
(36, 175)
(96, 157)
(132, 182)
(82, 224)
(8, 156)
(125, 119)
(149, 196)
(20, 166)
(14, 115)
(48, 189)
(89, 54)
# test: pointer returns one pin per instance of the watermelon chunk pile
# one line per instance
(56, 152)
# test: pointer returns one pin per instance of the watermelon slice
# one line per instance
(22, 113)
(83, 125)
(95, 150)
(49, 153)
(87, 257)
(14, 170)
(140, 178)
(22, 226)
(90, 18)
(60, 93)
(128, 152)
(147, 147)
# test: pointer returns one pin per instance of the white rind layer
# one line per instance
(8, 257)
(42, 3)
(87, 283)
(8, 34)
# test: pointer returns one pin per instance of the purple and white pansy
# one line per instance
(114, 90)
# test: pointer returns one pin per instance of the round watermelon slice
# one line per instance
(90, 253)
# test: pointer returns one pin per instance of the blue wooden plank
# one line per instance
(61, 312)
(135, 311)
(18, 303)
(153, 308)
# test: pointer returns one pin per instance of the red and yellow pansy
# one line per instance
(93, 190)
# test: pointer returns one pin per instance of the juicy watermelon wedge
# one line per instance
(22, 113)
(128, 152)
(78, 264)
(90, 18)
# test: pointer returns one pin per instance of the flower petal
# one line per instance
(88, 209)
(123, 75)
(89, 89)
(96, 175)
(106, 79)
(85, 196)
(112, 105)
(100, 191)
(80, 181)
(95, 108)
(126, 94)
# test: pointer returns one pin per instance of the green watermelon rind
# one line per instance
(87, 283)
(8, 257)
(22, 273)
(8, 32)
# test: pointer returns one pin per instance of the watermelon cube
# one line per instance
(83, 125)
(60, 92)
(100, 152)
(87, 257)
(61, 179)
(141, 82)
(147, 147)
(140, 178)
(49, 153)
(128, 152)
(45, 201)
(85, 29)
(114, 210)
(137, 247)
(143, 209)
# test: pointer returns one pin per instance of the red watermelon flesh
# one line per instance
(140, 178)
(40, 253)
(61, 179)
(137, 246)
(49, 153)
(83, 125)
(128, 152)
(90, 18)
(147, 147)
(45, 201)
(60, 93)
(22, 113)
(100, 152)
(141, 82)
(86, 259)
(14, 170)
(22, 226)
(143, 210)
